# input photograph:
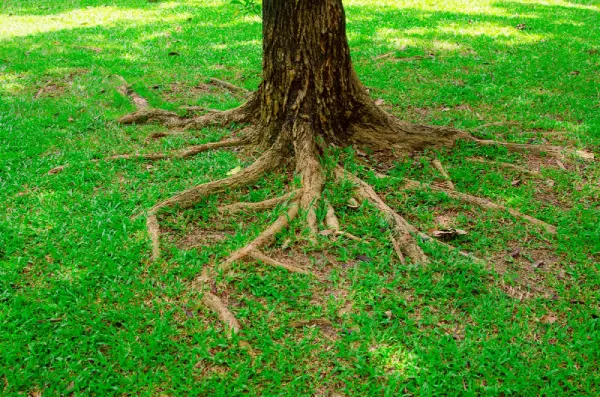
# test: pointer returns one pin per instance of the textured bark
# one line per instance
(308, 78)
(307, 69)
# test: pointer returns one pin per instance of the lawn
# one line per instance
(84, 311)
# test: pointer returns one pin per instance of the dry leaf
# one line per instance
(548, 319)
(538, 264)
(560, 164)
(352, 203)
(56, 170)
(379, 102)
(234, 171)
(516, 252)
(448, 234)
(516, 182)
(444, 221)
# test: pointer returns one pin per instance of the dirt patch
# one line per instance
(202, 237)
(530, 267)
(178, 91)
(57, 87)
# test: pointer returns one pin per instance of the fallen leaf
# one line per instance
(352, 203)
(234, 171)
(548, 319)
(388, 314)
(444, 221)
(516, 252)
(361, 153)
(560, 164)
(538, 264)
(575, 73)
(56, 170)
(448, 234)
(379, 102)
(516, 182)
(364, 258)
(189, 313)
(70, 119)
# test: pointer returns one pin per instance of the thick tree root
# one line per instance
(482, 203)
(188, 198)
(403, 232)
(214, 303)
(311, 171)
(438, 166)
(259, 206)
(264, 239)
(558, 152)
(188, 152)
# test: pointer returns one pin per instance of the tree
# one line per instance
(310, 98)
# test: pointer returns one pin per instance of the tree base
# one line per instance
(301, 145)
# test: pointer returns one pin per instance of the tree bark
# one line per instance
(308, 78)
(307, 70)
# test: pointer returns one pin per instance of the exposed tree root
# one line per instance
(539, 150)
(231, 87)
(214, 303)
(403, 232)
(508, 166)
(188, 198)
(126, 90)
(311, 171)
(173, 120)
(267, 260)
(264, 239)
(189, 151)
(290, 128)
(331, 219)
(481, 202)
(333, 225)
(438, 166)
(259, 206)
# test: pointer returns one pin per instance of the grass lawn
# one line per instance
(84, 311)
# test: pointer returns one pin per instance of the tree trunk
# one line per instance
(310, 88)
(307, 70)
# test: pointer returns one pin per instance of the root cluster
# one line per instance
(299, 143)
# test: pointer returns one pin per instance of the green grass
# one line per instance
(83, 311)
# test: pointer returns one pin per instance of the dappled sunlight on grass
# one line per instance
(395, 360)
(80, 301)
(16, 26)
(10, 83)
